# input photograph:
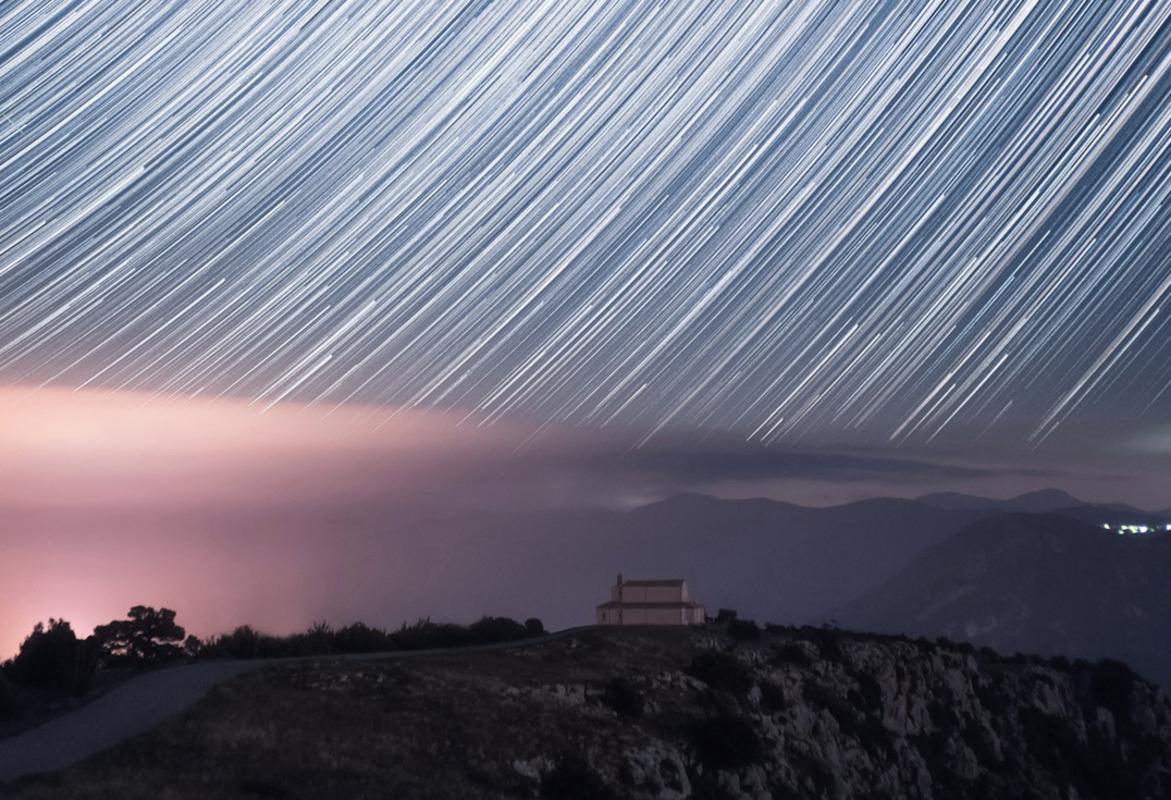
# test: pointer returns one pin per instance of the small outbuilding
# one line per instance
(661, 601)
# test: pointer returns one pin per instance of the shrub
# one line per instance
(943, 717)
(792, 653)
(426, 635)
(244, 642)
(725, 742)
(624, 697)
(773, 697)
(51, 658)
(993, 698)
(721, 671)
(871, 691)
(1051, 740)
(321, 639)
(1112, 683)
(821, 695)
(496, 629)
(875, 738)
(743, 630)
(725, 615)
(978, 739)
(828, 641)
(360, 638)
(574, 779)
(9, 705)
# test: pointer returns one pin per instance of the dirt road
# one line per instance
(141, 703)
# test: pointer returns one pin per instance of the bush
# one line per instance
(51, 658)
(1051, 740)
(489, 630)
(828, 642)
(822, 695)
(9, 705)
(426, 635)
(360, 638)
(1112, 683)
(773, 698)
(792, 653)
(871, 691)
(573, 779)
(743, 630)
(321, 639)
(244, 642)
(725, 615)
(725, 742)
(721, 671)
(624, 697)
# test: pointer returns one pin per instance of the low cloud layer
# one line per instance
(110, 499)
(116, 452)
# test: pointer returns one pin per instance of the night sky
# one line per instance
(299, 254)
(806, 222)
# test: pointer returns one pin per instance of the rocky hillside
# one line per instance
(1035, 583)
(659, 714)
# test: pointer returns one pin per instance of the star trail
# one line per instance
(888, 222)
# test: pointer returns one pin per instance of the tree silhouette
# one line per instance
(149, 636)
(51, 657)
(9, 705)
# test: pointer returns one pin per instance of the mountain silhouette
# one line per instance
(1041, 501)
(1034, 583)
(770, 560)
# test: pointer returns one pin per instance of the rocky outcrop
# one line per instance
(818, 713)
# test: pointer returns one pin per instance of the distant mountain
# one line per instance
(769, 560)
(1034, 583)
(1039, 502)
(1050, 501)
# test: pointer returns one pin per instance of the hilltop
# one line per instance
(665, 713)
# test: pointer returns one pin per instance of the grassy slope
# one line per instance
(335, 729)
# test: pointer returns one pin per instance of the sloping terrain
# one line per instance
(1035, 583)
(660, 713)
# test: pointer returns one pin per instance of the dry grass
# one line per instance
(446, 726)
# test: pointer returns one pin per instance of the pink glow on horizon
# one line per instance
(110, 499)
(112, 449)
(233, 515)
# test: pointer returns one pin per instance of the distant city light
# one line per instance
(1124, 530)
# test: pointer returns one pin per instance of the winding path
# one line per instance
(138, 705)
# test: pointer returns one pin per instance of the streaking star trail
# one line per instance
(892, 222)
